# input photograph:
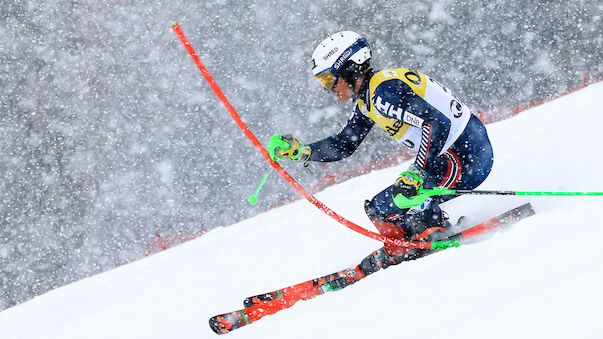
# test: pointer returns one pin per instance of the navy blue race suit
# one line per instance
(452, 144)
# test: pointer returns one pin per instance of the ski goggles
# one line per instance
(328, 77)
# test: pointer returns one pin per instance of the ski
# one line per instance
(309, 289)
(506, 219)
(261, 305)
(227, 322)
(257, 307)
(510, 217)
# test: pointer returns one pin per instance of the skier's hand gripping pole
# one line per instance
(287, 146)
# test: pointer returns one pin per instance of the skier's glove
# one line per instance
(286, 146)
(410, 182)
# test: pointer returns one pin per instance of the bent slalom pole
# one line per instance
(404, 202)
(256, 143)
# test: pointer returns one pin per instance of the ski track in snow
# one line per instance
(541, 278)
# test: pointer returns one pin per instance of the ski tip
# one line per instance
(220, 325)
(174, 23)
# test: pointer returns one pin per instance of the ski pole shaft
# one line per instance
(408, 202)
(470, 192)
(253, 199)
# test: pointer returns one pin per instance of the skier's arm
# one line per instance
(344, 143)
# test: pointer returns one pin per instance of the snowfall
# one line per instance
(541, 278)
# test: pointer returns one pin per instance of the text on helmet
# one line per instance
(333, 51)
(342, 59)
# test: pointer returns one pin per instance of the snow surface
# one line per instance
(541, 278)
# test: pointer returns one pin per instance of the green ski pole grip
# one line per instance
(404, 202)
(253, 199)
(442, 245)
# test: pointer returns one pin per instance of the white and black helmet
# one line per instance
(344, 51)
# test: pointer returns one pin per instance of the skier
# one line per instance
(452, 145)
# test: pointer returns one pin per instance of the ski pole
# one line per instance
(253, 199)
(459, 192)
(404, 202)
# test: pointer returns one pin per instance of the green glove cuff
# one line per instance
(404, 202)
(277, 142)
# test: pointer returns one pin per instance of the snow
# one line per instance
(541, 278)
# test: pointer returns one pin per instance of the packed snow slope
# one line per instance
(541, 278)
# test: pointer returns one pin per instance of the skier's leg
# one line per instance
(380, 259)
(396, 226)
(473, 153)
(424, 222)
(387, 225)
(464, 166)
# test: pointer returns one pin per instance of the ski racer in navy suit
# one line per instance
(452, 145)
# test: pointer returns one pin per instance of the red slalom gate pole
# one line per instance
(258, 145)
